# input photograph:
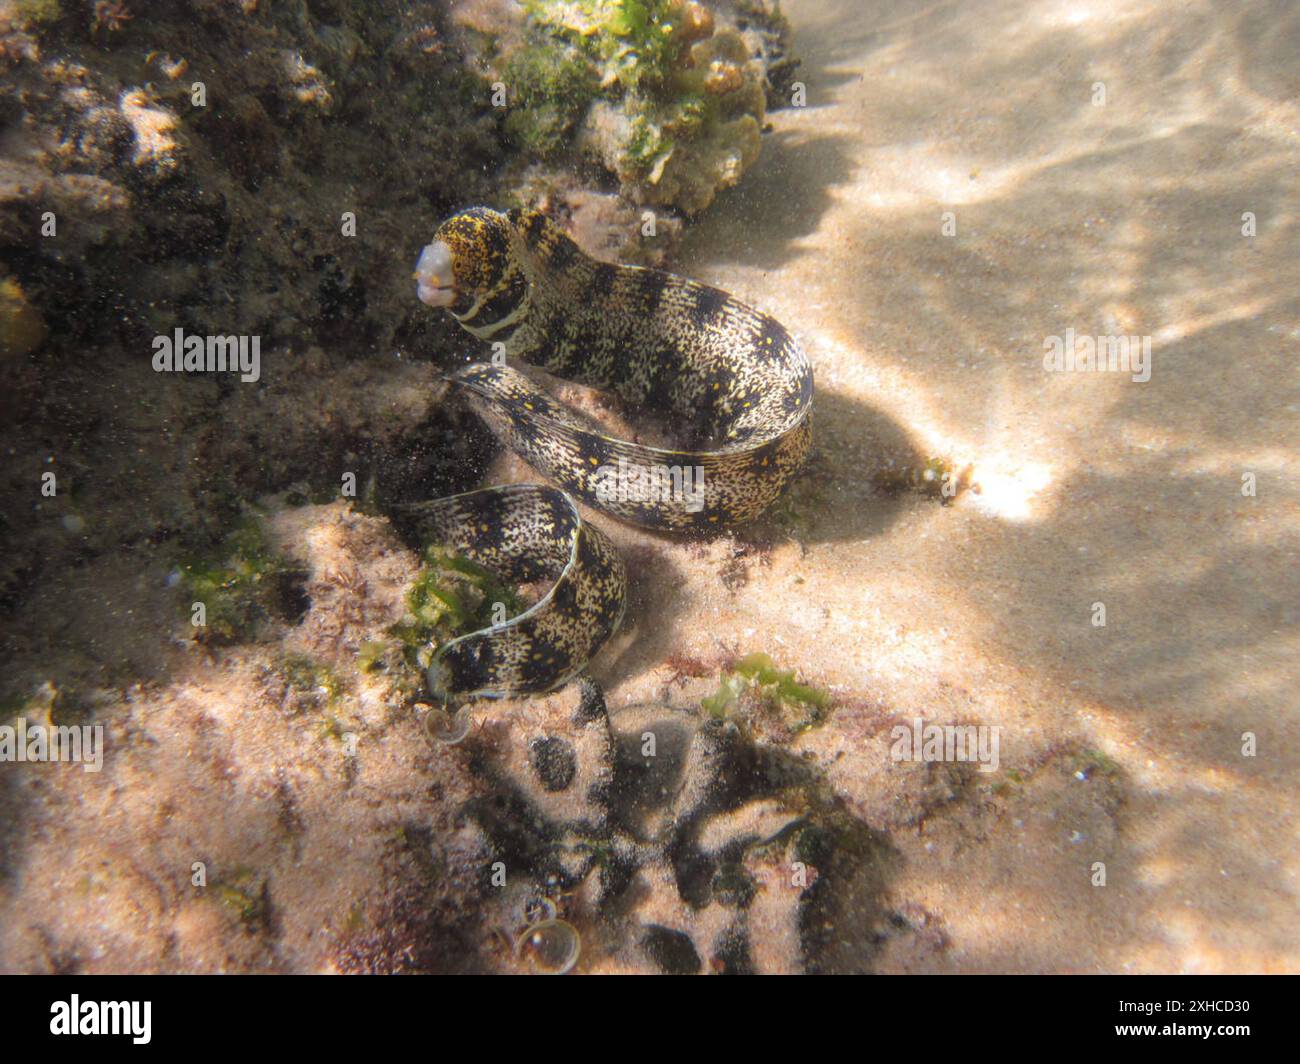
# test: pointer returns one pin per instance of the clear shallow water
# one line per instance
(969, 185)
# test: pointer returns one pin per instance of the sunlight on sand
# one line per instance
(1007, 487)
(1116, 213)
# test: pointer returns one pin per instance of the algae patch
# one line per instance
(450, 597)
(666, 97)
(553, 86)
(310, 681)
(242, 586)
(246, 896)
(768, 699)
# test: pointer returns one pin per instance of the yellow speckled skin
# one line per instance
(719, 369)
(727, 376)
(526, 532)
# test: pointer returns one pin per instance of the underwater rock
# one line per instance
(243, 132)
(680, 154)
(156, 151)
(306, 84)
(669, 96)
(22, 329)
(766, 34)
(604, 224)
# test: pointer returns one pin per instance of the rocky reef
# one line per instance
(668, 96)
(257, 169)
(228, 169)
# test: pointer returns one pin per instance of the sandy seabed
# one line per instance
(1122, 217)
(966, 181)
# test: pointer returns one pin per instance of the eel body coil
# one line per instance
(730, 380)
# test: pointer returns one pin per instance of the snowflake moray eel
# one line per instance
(731, 380)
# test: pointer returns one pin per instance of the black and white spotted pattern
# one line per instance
(526, 532)
(720, 371)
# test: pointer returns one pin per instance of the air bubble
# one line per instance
(551, 946)
(446, 727)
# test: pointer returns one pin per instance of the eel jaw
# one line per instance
(435, 282)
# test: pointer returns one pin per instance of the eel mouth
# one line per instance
(435, 281)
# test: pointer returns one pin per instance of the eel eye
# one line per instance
(435, 283)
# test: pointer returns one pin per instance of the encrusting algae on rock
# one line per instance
(769, 700)
(241, 583)
(668, 95)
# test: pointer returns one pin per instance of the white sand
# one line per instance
(1124, 218)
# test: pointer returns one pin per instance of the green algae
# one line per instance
(312, 678)
(552, 87)
(39, 11)
(672, 107)
(241, 583)
(373, 655)
(450, 597)
(243, 894)
(754, 689)
(1089, 763)
(575, 53)
(330, 727)
(632, 41)
(1084, 763)
(638, 43)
